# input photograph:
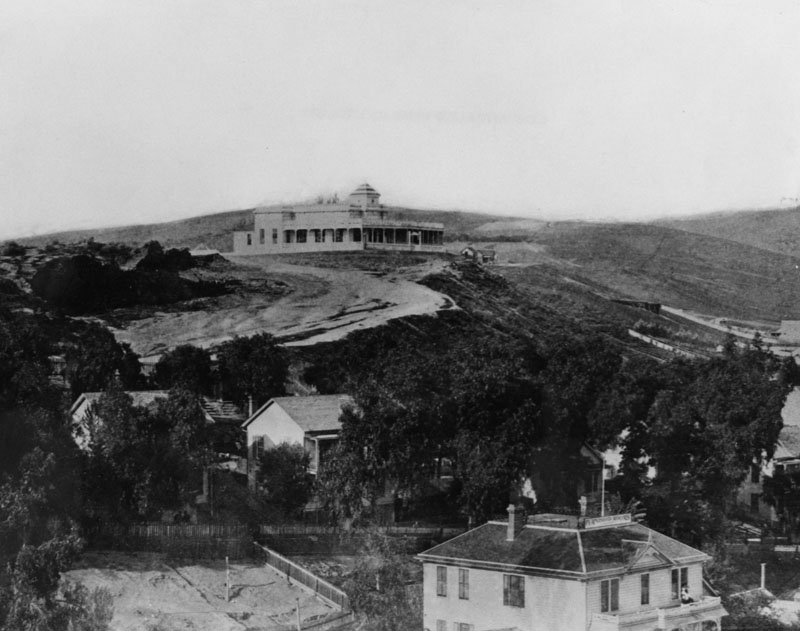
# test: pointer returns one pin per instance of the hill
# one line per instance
(774, 230)
(216, 230)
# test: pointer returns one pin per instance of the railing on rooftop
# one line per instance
(611, 622)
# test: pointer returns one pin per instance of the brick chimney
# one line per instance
(516, 521)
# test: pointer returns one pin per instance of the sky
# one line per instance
(121, 112)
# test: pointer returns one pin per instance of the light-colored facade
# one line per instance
(359, 223)
(607, 575)
(310, 421)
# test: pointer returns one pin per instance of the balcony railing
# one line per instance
(708, 608)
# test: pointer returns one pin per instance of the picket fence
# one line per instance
(294, 572)
(193, 541)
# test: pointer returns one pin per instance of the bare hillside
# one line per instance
(775, 230)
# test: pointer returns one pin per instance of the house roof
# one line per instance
(217, 411)
(314, 413)
(141, 398)
(568, 552)
(222, 411)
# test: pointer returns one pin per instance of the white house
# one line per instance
(358, 223)
(561, 574)
(310, 421)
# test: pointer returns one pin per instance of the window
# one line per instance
(274, 235)
(316, 233)
(355, 235)
(645, 580)
(339, 235)
(302, 236)
(680, 579)
(755, 498)
(441, 580)
(441, 625)
(463, 584)
(513, 590)
(462, 626)
(261, 236)
(609, 595)
(755, 474)
(249, 239)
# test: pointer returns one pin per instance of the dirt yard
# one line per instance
(151, 592)
(321, 304)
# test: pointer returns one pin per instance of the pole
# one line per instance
(763, 575)
(603, 488)
(227, 581)
(298, 613)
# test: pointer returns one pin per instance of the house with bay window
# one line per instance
(562, 573)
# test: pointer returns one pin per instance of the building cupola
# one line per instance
(364, 197)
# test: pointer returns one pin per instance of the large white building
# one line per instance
(359, 223)
(606, 574)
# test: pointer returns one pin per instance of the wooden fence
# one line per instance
(318, 585)
(191, 541)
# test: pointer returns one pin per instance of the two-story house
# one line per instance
(562, 573)
(310, 421)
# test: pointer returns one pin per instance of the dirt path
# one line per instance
(325, 304)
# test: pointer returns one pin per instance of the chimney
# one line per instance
(516, 521)
(249, 406)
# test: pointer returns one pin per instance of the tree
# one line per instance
(144, 461)
(187, 367)
(95, 359)
(707, 423)
(379, 587)
(284, 476)
(252, 367)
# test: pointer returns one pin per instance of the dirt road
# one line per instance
(324, 304)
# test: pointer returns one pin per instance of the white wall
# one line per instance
(545, 609)
(277, 425)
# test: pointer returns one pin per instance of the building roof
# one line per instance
(216, 411)
(563, 551)
(365, 189)
(141, 398)
(314, 413)
(222, 411)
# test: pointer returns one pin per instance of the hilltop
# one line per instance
(777, 230)
(216, 230)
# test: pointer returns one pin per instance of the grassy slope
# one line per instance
(660, 264)
(216, 230)
(713, 271)
(775, 230)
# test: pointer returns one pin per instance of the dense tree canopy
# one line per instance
(252, 367)
(187, 367)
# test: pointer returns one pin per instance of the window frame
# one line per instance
(513, 590)
(644, 586)
(678, 580)
(609, 595)
(441, 580)
(463, 584)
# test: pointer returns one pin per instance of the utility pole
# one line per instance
(227, 581)
(298, 613)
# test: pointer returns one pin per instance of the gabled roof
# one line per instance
(314, 413)
(222, 411)
(141, 398)
(566, 552)
(216, 411)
